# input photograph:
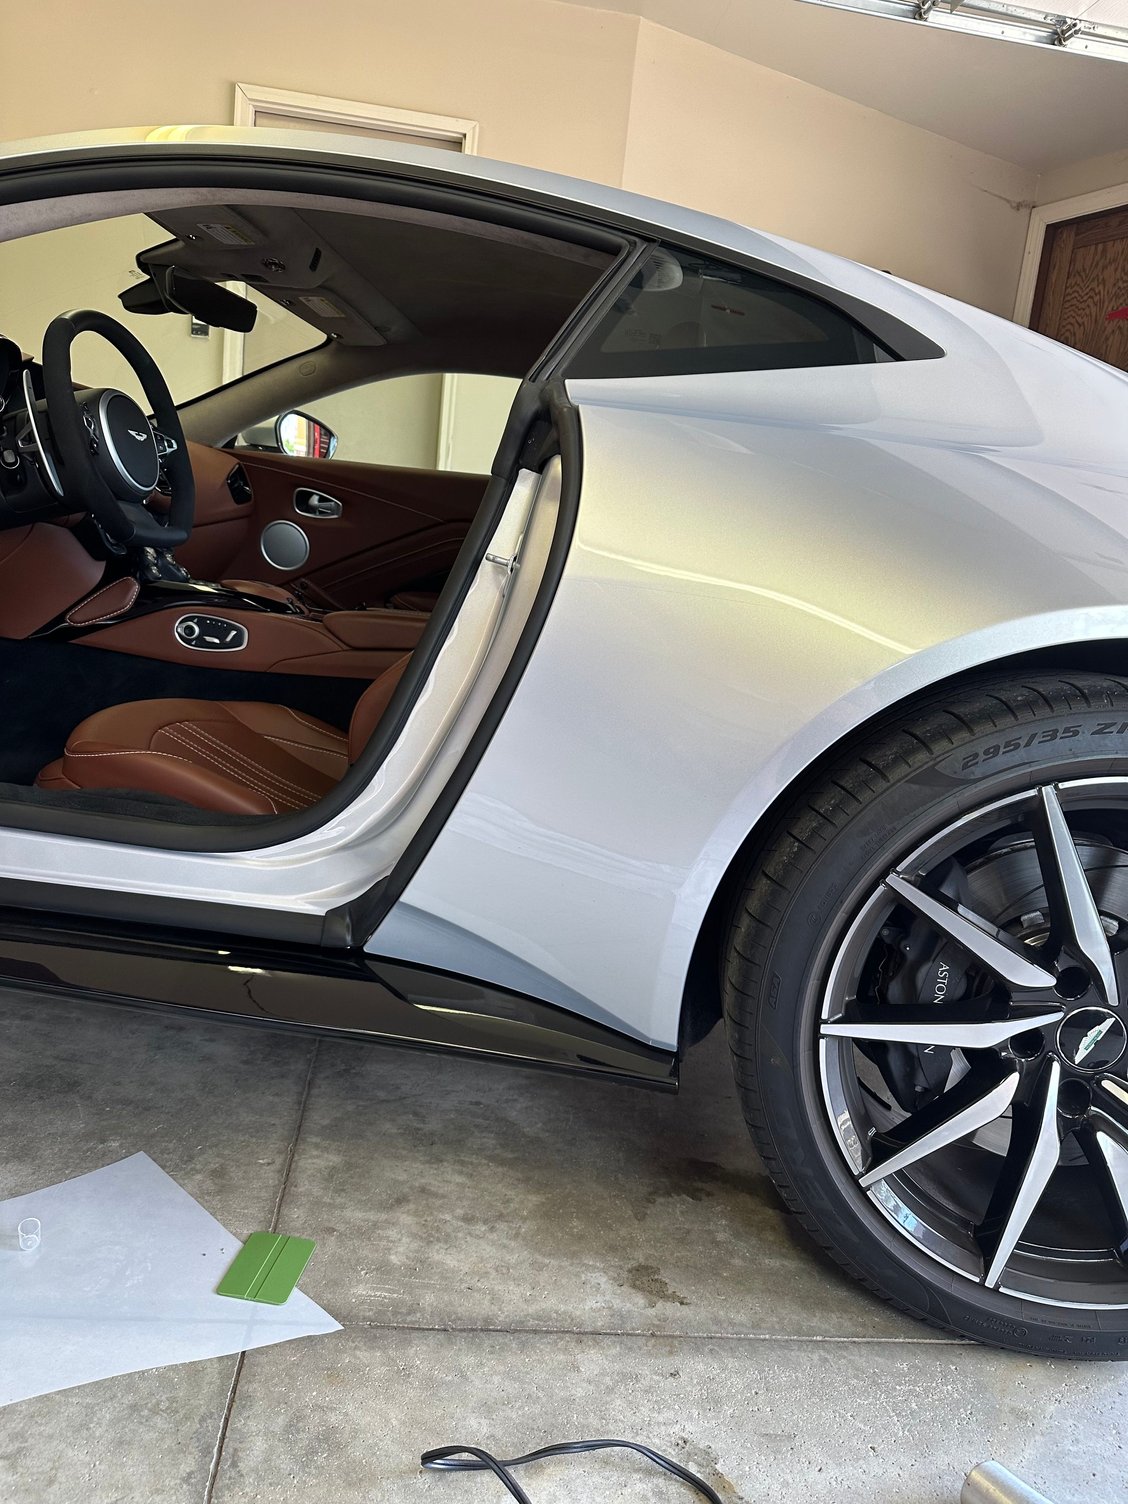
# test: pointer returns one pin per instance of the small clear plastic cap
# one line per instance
(30, 1233)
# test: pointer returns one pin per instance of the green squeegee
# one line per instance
(268, 1267)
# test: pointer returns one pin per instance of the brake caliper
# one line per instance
(922, 969)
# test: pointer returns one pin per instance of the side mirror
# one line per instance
(305, 438)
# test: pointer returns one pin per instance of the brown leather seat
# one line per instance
(232, 756)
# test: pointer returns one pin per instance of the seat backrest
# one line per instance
(372, 705)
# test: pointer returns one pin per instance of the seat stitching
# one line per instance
(309, 746)
(326, 734)
(92, 621)
(236, 775)
(338, 736)
(233, 775)
(172, 757)
(240, 757)
(131, 752)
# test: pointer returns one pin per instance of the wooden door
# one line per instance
(1082, 293)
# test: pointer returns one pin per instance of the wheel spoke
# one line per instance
(1106, 1144)
(1031, 1160)
(959, 1112)
(1110, 1103)
(1108, 1158)
(1075, 922)
(940, 1026)
(975, 935)
(1114, 1157)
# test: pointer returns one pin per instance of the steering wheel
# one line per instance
(110, 456)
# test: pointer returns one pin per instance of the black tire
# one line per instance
(912, 775)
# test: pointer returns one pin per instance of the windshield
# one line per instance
(87, 266)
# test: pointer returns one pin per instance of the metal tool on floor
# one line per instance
(991, 1483)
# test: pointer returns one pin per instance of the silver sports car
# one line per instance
(773, 673)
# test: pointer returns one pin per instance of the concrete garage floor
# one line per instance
(517, 1258)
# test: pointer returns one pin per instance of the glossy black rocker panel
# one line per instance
(344, 994)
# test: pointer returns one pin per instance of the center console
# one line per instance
(162, 613)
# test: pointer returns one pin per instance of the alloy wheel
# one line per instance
(973, 1045)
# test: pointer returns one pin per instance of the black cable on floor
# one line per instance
(475, 1460)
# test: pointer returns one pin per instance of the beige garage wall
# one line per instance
(787, 157)
(549, 84)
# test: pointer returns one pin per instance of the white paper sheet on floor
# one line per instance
(124, 1279)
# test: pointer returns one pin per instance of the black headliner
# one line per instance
(391, 277)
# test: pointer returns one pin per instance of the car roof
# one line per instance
(597, 200)
(955, 328)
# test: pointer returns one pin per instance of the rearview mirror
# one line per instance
(167, 289)
(304, 437)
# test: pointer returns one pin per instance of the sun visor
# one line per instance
(275, 255)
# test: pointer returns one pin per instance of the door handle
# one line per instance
(309, 503)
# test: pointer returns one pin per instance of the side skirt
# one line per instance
(344, 994)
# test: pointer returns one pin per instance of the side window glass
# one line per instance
(685, 313)
(429, 422)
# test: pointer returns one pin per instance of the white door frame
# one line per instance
(251, 98)
(1041, 218)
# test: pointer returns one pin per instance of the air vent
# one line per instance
(239, 486)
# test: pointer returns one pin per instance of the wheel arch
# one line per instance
(701, 996)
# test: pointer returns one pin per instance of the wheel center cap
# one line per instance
(1092, 1039)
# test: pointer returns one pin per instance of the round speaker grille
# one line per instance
(284, 545)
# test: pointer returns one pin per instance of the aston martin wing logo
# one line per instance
(1093, 1038)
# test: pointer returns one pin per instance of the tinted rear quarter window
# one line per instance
(685, 313)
